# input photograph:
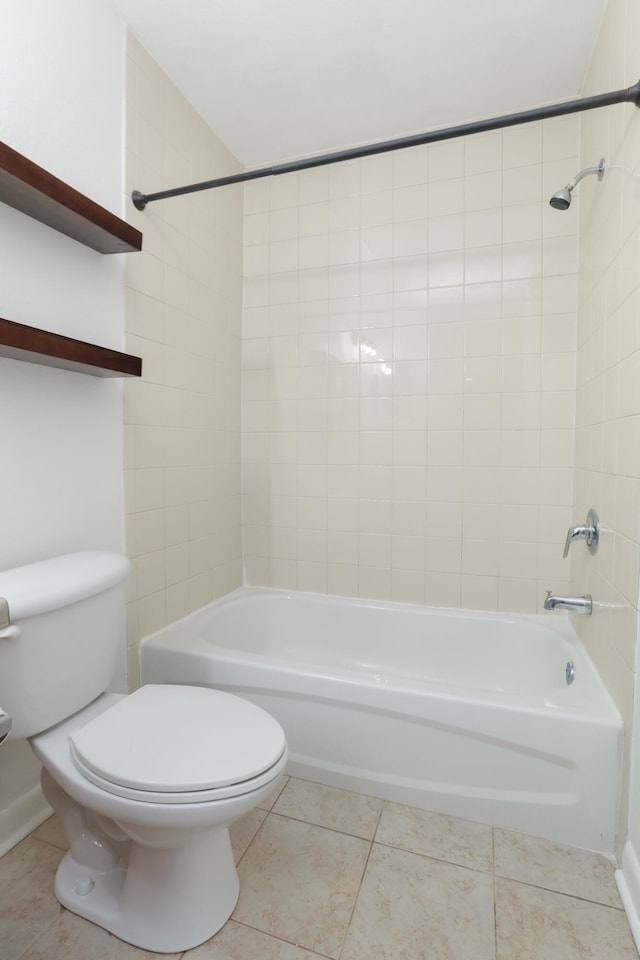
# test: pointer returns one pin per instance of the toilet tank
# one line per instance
(67, 625)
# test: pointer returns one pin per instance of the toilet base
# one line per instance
(164, 900)
(160, 876)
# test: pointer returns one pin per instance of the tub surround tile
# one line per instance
(26, 895)
(340, 810)
(299, 882)
(415, 907)
(448, 256)
(462, 842)
(243, 831)
(237, 942)
(72, 938)
(578, 873)
(537, 924)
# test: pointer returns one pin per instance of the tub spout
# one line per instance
(575, 604)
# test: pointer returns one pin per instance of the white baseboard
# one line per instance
(628, 881)
(21, 817)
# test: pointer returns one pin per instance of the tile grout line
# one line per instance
(48, 843)
(355, 901)
(267, 811)
(561, 893)
(40, 934)
(383, 806)
(251, 842)
(271, 936)
(322, 826)
(430, 856)
(495, 897)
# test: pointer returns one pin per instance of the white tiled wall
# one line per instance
(183, 292)
(607, 473)
(409, 334)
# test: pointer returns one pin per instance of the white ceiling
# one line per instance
(281, 79)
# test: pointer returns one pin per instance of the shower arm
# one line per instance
(628, 95)
(586, 173)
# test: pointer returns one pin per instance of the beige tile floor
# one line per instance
(328, 873)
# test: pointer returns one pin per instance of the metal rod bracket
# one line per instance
(139, 200)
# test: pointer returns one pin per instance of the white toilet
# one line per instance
(146, 784)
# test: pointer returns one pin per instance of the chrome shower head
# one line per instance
(562, 199)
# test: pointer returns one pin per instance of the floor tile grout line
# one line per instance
(323, 826)
(383, 806)
(41, 933)
(352, 793)
(560, 893)
(253, 838)
(280, 792)
(320, 826)
(54, 846)
(274, 936)
(431, 856)
(495, 893)
(355, 901)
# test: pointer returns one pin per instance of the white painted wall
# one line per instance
(309, 77)
(61, 434)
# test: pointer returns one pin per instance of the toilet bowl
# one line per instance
(146, 784)
(150, 857)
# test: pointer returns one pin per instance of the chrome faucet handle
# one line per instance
(588, 531)
(579, 532)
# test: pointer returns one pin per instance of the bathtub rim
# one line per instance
(558, 624)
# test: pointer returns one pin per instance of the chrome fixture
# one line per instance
(575, 604)
(562, 199)
(570, 672)
(588, 531)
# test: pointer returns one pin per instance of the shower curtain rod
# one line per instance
(628, 95)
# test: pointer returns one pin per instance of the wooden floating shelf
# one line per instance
(28, 188)
(21, 342)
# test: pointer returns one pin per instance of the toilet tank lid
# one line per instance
(50, 584)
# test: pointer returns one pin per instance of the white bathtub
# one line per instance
(461, 713)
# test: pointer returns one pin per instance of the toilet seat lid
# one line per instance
(171, 738)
